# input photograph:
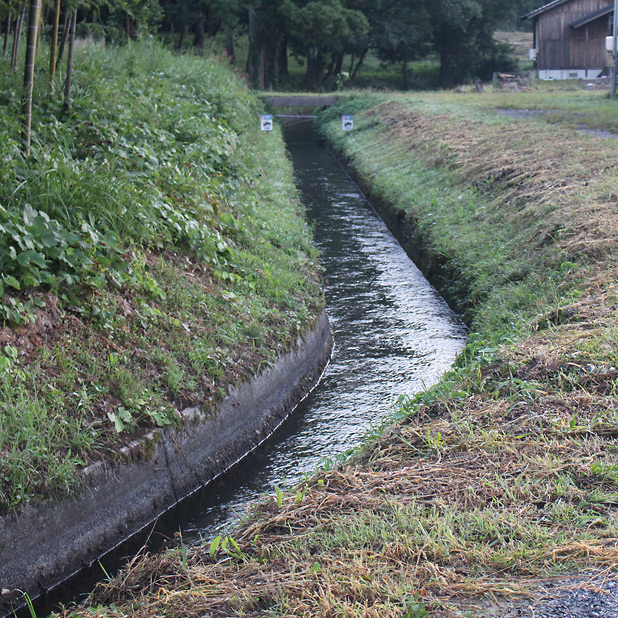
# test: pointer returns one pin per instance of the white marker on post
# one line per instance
(266, 122)
(347, 122)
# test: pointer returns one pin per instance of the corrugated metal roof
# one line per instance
(544, 8)
(586, 20)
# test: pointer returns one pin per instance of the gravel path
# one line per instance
(588, 599)
(574, 597)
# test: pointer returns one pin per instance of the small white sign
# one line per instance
(347, 122)
(266, 122)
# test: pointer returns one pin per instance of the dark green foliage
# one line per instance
(323, 29)
(331, 39)
(509, 18)
(323, 32)
(403, 33)
(463, 38)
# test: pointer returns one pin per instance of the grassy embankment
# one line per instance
(503, 478)
(152, 253)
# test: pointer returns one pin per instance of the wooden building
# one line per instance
(569, 38)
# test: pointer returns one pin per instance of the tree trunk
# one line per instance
(229, 48)
(262, 68)
(331, 67)
(446, 58)
(199, 40)
(67, 83)
(17, 37)
(405, 72)
(315, 66)
(309, 62)
(446, 69)
(54, 48)
(213, 28)
(66, 24)
(127, 25)
(7, 29)
(339, 63)
(181, 38)
(269, 60)
(253, 59)
(26, 110)
(359, 64)
(282, 59)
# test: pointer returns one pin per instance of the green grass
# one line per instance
(490, 279)
(563, 102)
(153, 253)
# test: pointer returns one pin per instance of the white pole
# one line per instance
(615, 57)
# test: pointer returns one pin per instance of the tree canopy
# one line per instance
(320, 33)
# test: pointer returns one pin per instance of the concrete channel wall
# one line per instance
(43, 544)
(296, 100)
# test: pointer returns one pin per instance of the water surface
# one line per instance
(394, 335)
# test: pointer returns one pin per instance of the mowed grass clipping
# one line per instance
(442, 512)
(153, 252)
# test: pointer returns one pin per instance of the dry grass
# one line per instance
(556, 175)
(448, 505)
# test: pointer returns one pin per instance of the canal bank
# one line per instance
(394, 336)
(190, 273)
(46, 543)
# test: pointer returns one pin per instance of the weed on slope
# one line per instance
(153, 253)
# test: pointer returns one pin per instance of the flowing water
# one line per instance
(394, 335)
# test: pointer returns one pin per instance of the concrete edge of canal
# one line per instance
(43, 544)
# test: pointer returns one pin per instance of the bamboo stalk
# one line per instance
(17, 37)
(33, 31)
(66, 24)
(7, 29)
(67, 83)
(54, 48)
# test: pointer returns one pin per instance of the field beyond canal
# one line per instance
(497, 488)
